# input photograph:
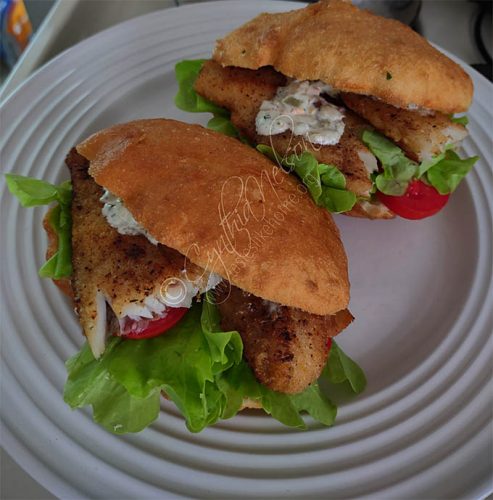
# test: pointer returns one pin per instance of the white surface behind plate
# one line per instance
(420, 294)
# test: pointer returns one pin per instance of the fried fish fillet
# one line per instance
(126, 272)
(420, 134)
(349, 155)
(239, 90)
(285, 347)
(242, 92)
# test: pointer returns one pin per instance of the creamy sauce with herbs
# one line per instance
(300, 107)
(272, 307)
(420, 110)
(119, 217)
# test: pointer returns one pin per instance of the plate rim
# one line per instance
(34, 462)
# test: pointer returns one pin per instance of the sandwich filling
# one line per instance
(136, 316)
(301, 107)
(119, 217)
(175, 293)
(352, 157)
(122, 283)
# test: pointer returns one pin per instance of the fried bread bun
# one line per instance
(352, 50)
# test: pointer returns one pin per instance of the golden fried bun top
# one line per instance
(353, 51)
(227, 208)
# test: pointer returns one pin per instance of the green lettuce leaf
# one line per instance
(234, 385)
(398, 170)
(425, 165)
(200, 368)
(462, 120)
(337, 200)
(447, 173)
(316, 404)
(187, 99)
(223, 125)
(226, 348)
(90, 383)
(183, 363)
(34, 192)
(239, 383)
(444, 171)
(59, 265)
(341, 368)
(326, 183)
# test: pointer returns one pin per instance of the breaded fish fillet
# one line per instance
(285, 347)
(420, 134)
(126, 272)
(239, 90)
(349, 155)
(242, 92)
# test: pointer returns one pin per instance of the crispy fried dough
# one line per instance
(255, 226)
(352, 50)
(419, 134)
(119, 268)
(285, 347)
(242, 91)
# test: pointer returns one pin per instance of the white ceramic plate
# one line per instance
(421, 294)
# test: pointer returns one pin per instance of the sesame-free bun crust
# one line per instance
(354, 51)
(227, 208)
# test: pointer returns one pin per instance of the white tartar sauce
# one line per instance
(119, 217)
(420, 110)
(300, 107)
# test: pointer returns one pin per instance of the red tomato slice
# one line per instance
(329, 343)
(158, 326)
(419, 201)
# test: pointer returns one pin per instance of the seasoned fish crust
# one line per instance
(124, 269)
(419, 134)
(239, 90)
(345, 155)
(242, 91)
(285, 347)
